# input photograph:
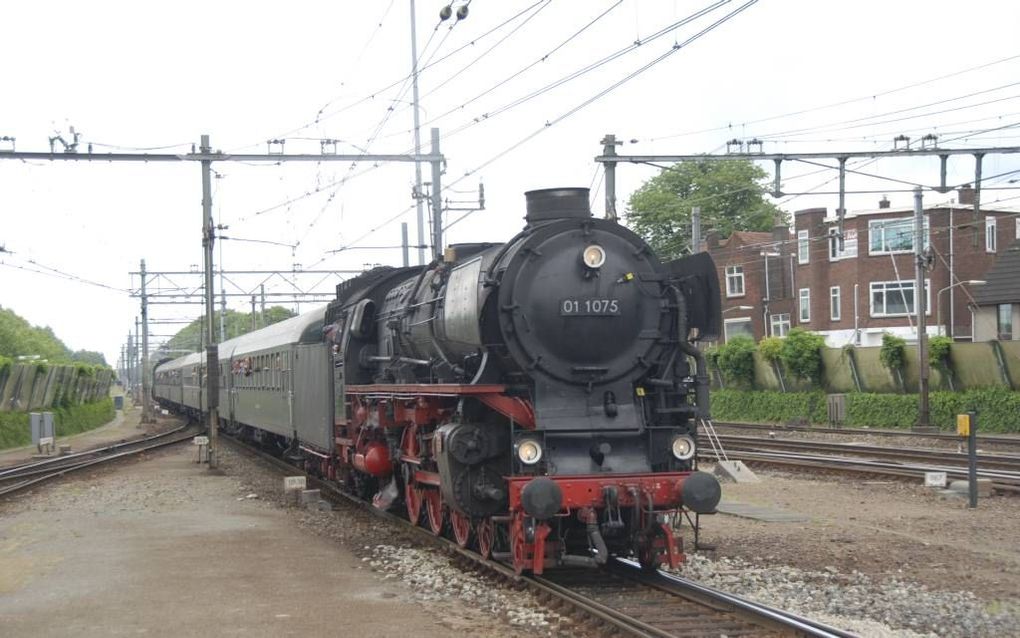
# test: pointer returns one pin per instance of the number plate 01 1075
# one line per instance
(589, 307)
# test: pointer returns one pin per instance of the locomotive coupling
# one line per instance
(701, 492)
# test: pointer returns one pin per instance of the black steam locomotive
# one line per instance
(537, 399)
(536, 396)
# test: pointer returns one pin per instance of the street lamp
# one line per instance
(737, 308)
(938, 300)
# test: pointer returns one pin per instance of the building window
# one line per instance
(896, 298)
(805, 305)
(893, 235)
(1005, 322)
(990, 234)
(738, 327)
(803, 247)
(834, 308)
(780, 324)
(734, 281)
(849, 244)
(1017, 228)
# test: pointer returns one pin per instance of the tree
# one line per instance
(730, 193)
(235, 324)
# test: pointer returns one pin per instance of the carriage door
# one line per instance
(231, 391)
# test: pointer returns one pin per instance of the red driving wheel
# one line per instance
(461, 525)
(485, 532)
(412, 501)
(434, 509)
(518, 544)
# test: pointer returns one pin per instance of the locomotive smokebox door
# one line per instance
(582, 312)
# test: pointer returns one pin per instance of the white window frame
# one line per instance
(735, 274)
(835, 304)
(803, 247)
(849, 244)
(904, 283)
(1017, 228)
(876, 223)
(727, 322)
(991, 240)
(804, 305)
(778, 322)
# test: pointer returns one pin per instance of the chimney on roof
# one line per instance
(884, 202)
(965, 195)
(780, 232)
(711, 240)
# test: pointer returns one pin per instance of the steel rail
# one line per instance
(34, 466)
(773, 621)
(942, 436)
(1000, 461)
(861, 466)
(671, 582)
(61, 471)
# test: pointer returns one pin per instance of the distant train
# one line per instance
(537, 400)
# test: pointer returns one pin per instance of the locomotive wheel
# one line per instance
(650, 551)
(434, 509)
(412, 501)
(461, 525)
(518, 544)
(485, 532)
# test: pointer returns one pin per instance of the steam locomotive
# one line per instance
(537, 400)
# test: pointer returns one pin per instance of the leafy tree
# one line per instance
(89, 356)
(802, 354)
(235, 324)
(731, 194)
(736, 360)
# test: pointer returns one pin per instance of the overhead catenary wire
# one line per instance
(846, 102)
(372, 95)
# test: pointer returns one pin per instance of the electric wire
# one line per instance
(839, 103)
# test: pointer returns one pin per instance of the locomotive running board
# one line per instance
(493, 395)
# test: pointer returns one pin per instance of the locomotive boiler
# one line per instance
(537, 399)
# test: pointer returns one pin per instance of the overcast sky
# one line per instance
(130, 75)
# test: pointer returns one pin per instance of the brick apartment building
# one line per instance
(855, 294)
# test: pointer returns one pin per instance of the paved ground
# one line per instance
(159, 547)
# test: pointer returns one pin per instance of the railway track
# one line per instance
(19, 477)
(937, 436)
(1002, 469)
(623, 599)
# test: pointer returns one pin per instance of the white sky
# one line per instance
(137, 75)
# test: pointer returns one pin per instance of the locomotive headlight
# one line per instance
(594, 256)
(529, 451)
(683, 448)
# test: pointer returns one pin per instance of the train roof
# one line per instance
(305, 328)
(186, 361)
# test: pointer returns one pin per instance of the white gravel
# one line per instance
(856, 602)
(435, 577)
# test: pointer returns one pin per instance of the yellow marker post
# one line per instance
(966, 425)
(963, 424)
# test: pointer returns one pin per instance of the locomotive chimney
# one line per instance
(556, 203)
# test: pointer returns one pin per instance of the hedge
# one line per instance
(15, 430)
(998, 409)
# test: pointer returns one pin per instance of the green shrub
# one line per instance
(768, 406)
(998, 408)
(802, 354)
(15, 430)
(771, 348)
(736, 360)
(893, 353)
(938, 351)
